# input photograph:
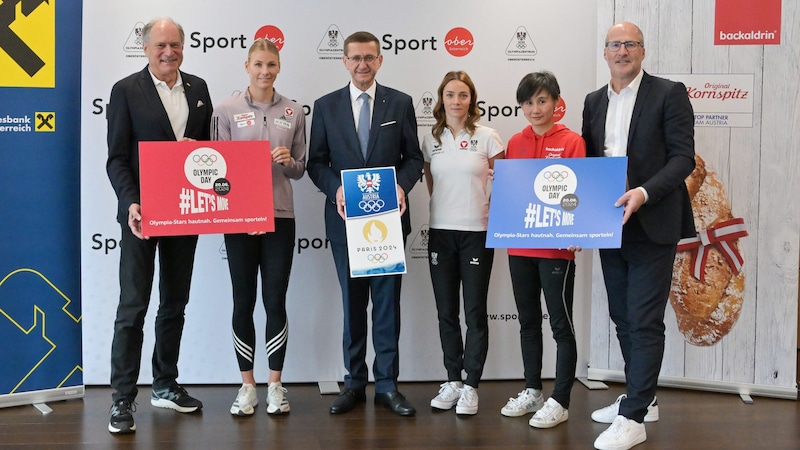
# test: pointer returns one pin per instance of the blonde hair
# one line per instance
(263, 44)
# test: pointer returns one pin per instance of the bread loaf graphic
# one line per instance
(708, 284)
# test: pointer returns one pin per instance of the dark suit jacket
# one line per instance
(135, 114)
(334, 146)
(660, 153)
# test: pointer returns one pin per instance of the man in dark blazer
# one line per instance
(649, 120)
(392, 141)
(160, 103)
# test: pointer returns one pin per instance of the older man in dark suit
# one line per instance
(649, 120)
(365, 124)
(160, 103)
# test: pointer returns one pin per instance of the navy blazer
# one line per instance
(334, 147)
(135, 113)
(660, 153)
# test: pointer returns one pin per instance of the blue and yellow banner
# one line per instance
(40, 307)
(557, 203)
(374, 231)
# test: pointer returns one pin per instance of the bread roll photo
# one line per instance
(707, 306)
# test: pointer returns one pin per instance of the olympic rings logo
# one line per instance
(378, 258)
(556, 176)
(371, 205)
(204, 160)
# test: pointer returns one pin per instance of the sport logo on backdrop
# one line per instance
(332, 44)
(747, 22)
(272, 34)
(521, 46)
(135, 43)
(424, 110)
(27, 43)
(459, 42)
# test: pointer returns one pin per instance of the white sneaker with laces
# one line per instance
(246, 401)
(468, 401)
(609, 413)
(527, 401)
(551, 414)
(623, 434)
(277, 403)
(448, 396)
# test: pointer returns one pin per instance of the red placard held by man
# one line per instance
(202, 187)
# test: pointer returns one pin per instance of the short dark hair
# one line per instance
(535, 82)
(362, 37)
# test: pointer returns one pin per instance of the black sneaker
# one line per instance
(176, 398)
(122, 417)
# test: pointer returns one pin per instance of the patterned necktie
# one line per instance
(363, 124)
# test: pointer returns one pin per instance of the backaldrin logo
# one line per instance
(28, 43)
(747, 22)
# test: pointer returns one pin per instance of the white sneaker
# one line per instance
(449, 393)
(468, 401)
(551, 414)
(527, 401)
(623, 434)
(609, 413)
(277, 403)
(246, 401)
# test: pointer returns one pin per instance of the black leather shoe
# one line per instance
(347, 400)
(396, 402)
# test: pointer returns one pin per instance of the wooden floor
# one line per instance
(689, 420)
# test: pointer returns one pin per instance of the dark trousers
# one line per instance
(136, 270)
(556, 277)
(459, 261)
(272, 253)
(638, 278)
(385, 292)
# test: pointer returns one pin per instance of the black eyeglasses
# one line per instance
(630, 46)
(358, 58)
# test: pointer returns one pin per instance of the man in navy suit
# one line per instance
(335, 145)
(160, 103)
(649, 120)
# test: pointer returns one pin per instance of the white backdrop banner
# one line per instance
(421, 41)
